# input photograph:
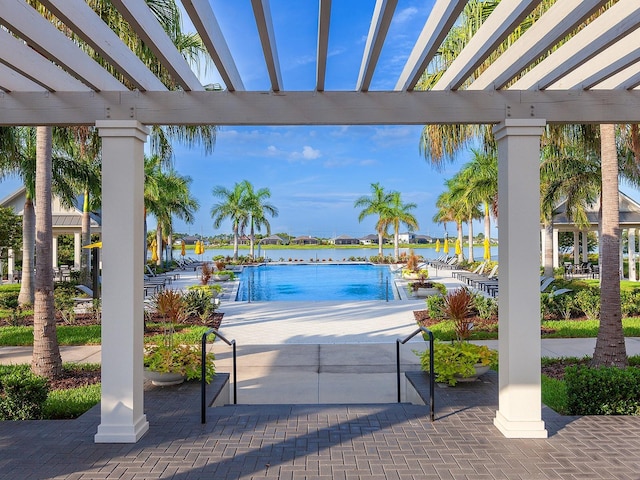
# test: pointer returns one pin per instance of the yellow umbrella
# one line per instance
(196, 249)
(446, 247)
(183, 249)
(94, 245)
(487, 249)
(458, 249)
(154, 251)
(437, 245)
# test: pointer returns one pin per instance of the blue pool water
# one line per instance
(315, 282)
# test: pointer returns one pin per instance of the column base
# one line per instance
(122, 433)
(520, 429)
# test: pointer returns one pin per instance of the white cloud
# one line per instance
(405, 15)
(310, 153)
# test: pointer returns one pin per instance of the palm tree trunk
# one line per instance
(380, 240)
(85, 259)
(487, 222)
(460, 237)
(159, 243)
(396, 242)
(251, 240)
(26, 295)
(471, 259)
(610, 347)
(46, 360)
(235, 241)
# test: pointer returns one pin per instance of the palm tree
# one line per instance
(258, 211)
(233, 207)
(375, 204)
(395, 214)
(46, 360)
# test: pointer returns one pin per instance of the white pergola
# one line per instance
(45, 79)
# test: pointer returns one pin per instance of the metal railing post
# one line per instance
(432, 376)
(203, 371)
(386, 291)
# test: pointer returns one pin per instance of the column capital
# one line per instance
(519, 126)
(122, 128)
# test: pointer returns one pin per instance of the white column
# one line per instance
(543, 240)
(77, 250)
(556, 248)
(585, 246)
(519, 412)
(11, 265)
(632, 255)
(54, 252)
(576, 247)
(122, 419)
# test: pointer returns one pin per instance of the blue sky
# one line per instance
(315, 173)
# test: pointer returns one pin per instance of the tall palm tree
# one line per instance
(375, 204)
(233, 207)
(397, 213)
(258, 211)
(466, 204)
(46, 360)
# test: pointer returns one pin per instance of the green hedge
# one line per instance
(603, 391)
(22, 395)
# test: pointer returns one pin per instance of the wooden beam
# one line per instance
(626, 79)
(607, 63)
(442, 17)
(153, 35)
(85, 23)
(382, 15)
(554, 25)
(319, 108)
(324, 19)
(505, 17)
(41, 35)
(262, 14)
(10, 81)
(203, 18)
(29, 63)
(618, 21)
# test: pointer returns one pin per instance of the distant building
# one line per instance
(273, 240)
(305, 240)
(422, 239)
(190, 240)
(410, 237)
(345, 240)
(370, 239)
(244, 240)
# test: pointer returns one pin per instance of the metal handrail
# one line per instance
(432, 382)
(203, 388)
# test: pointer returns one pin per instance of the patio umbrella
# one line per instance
(94, 245)
(487, 249)
(183, 251)
(446, 246)
(458, 249)
(437, 246)
(154, 251)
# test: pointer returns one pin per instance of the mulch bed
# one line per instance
(82, 378)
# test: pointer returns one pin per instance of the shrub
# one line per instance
(435, 305)
(457, 306)
(455, 360)
(603, 391)
(630, 303)
(206, 273)
(562, 306)
(588, 300)
(64, 303)
(22, 395)
(9, 301)
(486, 307)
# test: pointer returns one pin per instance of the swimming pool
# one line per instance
(316, 282)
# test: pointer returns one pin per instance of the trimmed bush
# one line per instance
(603, 391)
(588, 301)
(22, 395)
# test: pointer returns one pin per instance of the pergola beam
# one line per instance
(319, 108)
(497, 27)
(324, 19)
(41, 35)
(382, 15)
(11, 80)
(554, 25)
(153, 35)
(84, 21)
(262, 14)
(626, 79)
(440, 20)
(617, 22)
(203, 18)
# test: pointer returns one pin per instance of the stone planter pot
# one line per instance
(425, 292)
(163, 379)
(480, 370)
(221, 278)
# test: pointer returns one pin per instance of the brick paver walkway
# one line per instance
(394, 441)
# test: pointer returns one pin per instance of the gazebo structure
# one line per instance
(65, 221)
(46, 79)
(629, 220)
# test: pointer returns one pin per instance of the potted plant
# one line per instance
(168, 362)
(411, 270)
(223, 275)
(423, 288)
(459, 360)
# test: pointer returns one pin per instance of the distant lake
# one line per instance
(336, 254)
